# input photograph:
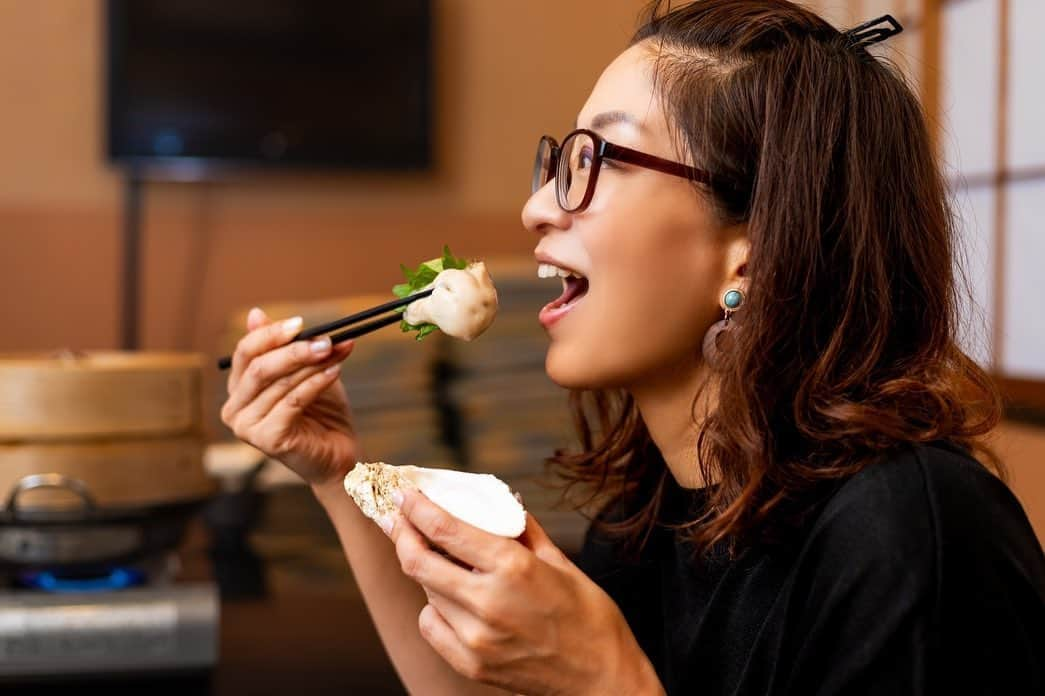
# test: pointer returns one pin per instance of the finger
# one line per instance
(260, 407)
(441, 636)
(472, 545)
(277, 364)
(281, 418)
(474, 632)
(256, 318)
(429, 568)
(258, 341)
(538, 541)
(470, 629)
(270, 434)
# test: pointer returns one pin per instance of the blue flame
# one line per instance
(118, 579)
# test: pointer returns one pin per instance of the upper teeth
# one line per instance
(547, 270)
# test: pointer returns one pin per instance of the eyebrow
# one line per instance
(606, 118)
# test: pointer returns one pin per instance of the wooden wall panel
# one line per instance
(58, 281)
(62, 266)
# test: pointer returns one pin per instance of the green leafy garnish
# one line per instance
(417, 280)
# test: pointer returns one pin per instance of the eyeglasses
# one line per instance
(575, 166)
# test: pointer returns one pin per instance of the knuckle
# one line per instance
(413, 566)
(517, 564)
(239, 429)
(410, 561)
(476, 639)
(443, 528)
(474, 668)
(257, 371)
(485, 609)
(294, 401)
(285, 382)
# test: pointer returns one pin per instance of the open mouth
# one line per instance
(574, 288)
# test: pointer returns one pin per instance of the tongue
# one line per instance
(575, 287)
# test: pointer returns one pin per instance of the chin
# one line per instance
(580, 369)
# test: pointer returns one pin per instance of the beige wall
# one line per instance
(505, 73)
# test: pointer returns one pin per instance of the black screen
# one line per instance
(331, 83)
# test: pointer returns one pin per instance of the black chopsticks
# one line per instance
(356, 331)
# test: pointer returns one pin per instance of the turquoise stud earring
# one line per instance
(732, 300)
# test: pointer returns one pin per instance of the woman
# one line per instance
(762, 327)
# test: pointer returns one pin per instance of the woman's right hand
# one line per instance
(287, 400)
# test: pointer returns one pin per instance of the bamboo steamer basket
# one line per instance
(92, 395)
(127, 426)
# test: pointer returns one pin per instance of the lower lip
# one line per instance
(551, 315)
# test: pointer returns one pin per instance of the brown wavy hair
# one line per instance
(845, 348)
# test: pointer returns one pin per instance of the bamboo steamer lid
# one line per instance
(118, 473)
(101, 394)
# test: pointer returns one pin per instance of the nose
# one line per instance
(542, 214)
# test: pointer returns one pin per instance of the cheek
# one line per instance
(652, 298)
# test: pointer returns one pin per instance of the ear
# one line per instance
(736, 258)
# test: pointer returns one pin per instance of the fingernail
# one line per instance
(332, 369)
(255, 315)
(292, 326)
(320, 345)
(385, 522)
(397, 498)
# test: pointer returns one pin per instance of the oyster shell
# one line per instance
(481, 500)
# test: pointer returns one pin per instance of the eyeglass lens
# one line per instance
(542, 165)
(575, 169)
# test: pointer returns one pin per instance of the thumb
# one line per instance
(538, 541)
(256, 318)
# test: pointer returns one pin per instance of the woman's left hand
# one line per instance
(516, 613)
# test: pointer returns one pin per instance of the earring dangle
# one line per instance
(731, 302)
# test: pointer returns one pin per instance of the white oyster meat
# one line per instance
(481, 500)
(463, 303)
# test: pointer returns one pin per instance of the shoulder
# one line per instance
(904, 494)
(924, 506)
(932, 487)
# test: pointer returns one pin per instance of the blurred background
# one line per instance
(166, 164)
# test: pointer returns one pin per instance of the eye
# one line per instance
(584, 158)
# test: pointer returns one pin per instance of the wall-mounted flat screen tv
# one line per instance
(306, 83)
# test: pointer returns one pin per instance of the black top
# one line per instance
(919, 575)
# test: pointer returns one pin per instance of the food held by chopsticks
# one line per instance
(463, 302)
(481, 500)
(447, 293)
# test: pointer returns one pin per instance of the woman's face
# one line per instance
(655, 258)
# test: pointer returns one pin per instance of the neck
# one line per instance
(665, 401)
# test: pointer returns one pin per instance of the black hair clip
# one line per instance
(870, 33)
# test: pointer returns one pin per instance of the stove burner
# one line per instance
(118, 579)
